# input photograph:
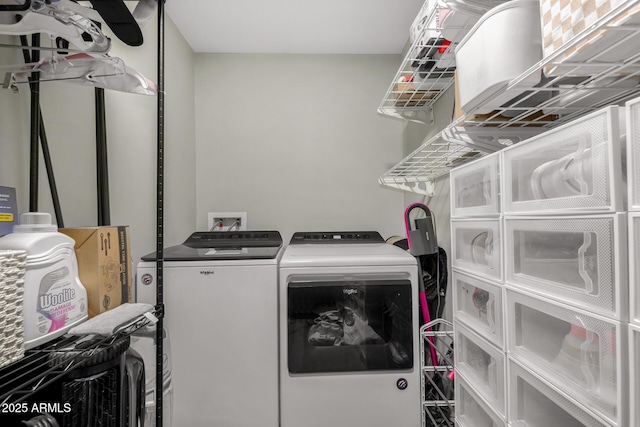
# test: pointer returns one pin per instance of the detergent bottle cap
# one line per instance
(35, 222)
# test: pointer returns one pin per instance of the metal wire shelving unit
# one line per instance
(38, 369)
(438, 405)
(583, 76)
(24, 377)
(421, 80)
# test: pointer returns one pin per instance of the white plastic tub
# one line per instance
(458, 22)
(582, 354)
(482, 365)
(578, 260)
(476, 246)
(475, 188)
(574, 168)
(533, 403)
(634, 364)
(633, 153)
(501, 46)
(478, 304)
(471, 410)
(634, 267)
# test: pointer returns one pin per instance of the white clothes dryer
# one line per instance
(221, 305)
(349, 334)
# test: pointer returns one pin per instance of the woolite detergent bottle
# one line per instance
(54, 298)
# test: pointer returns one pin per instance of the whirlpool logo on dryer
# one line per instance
(207, 272)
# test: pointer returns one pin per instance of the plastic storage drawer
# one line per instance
(582, 354)
(573, 168)
(482, 365)
(575, 260)
(478, 304)
(471, 410)
(634, 267)
(476, 247)
(634, 371)
(485, 69)
(633, 154)
(475, 188)
(534, 403)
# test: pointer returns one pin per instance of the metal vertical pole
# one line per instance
(160, 220)
(35, 128)
(46, 154)
(102, 169)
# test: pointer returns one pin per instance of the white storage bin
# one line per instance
(634, 267)
(476, 247)
(573, 168)
(575, 260)
(501, 46)
(634, 371)
(633, 154)
(478, 304)
(475, 188)
(482, 365)
(582, 354)
(471, 410)
(422, 23)
(534, 403)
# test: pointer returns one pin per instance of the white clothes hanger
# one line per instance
(89, 69)
(61, 18)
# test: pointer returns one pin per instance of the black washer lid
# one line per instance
(234, 239)
(337, 237)
(223, 245)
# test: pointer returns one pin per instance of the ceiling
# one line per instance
(295, 26)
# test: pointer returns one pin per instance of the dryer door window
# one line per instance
(349, 326)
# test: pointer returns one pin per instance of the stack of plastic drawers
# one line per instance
(633, 180)
(557, 320)
(476, 229)
(565, 275)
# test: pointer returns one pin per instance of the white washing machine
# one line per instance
(221, 305)
(349, 335)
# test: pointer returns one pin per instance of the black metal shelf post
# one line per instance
(160, 221)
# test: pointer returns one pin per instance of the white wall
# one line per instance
(68, 112)
(295, 141)
(14, 131)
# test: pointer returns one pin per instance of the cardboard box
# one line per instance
(104, 265)
(408, 96)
